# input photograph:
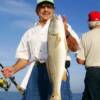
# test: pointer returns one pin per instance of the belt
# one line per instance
(40, 63)
(93, 68)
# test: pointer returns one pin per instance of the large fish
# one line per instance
(57, 52)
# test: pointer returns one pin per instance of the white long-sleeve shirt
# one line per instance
(33, 45)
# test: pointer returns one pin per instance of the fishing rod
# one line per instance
(12, 79)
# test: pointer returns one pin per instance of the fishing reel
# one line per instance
(4, 83)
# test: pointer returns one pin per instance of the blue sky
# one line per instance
(16, 16)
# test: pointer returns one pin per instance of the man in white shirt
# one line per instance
(89, 55)
(33, 48)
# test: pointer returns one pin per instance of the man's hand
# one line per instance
(8, 71)
(80, 61)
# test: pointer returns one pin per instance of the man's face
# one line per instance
(45, 11)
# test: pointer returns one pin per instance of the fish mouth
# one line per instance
(55, 97)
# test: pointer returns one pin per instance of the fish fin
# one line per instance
(64, 78)
(58, 39)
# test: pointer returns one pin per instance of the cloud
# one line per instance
(22, 24)
(23, 13)
(17, 8)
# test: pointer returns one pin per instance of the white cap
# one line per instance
(40, 1)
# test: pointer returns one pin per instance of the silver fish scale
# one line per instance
(51, 29)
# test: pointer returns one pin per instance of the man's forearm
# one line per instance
(72, 43)
(20, 64)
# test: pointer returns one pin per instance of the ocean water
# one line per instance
(17, 96)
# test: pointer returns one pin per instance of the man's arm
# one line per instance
(72, 43)
(20, 64)
(10, 70)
